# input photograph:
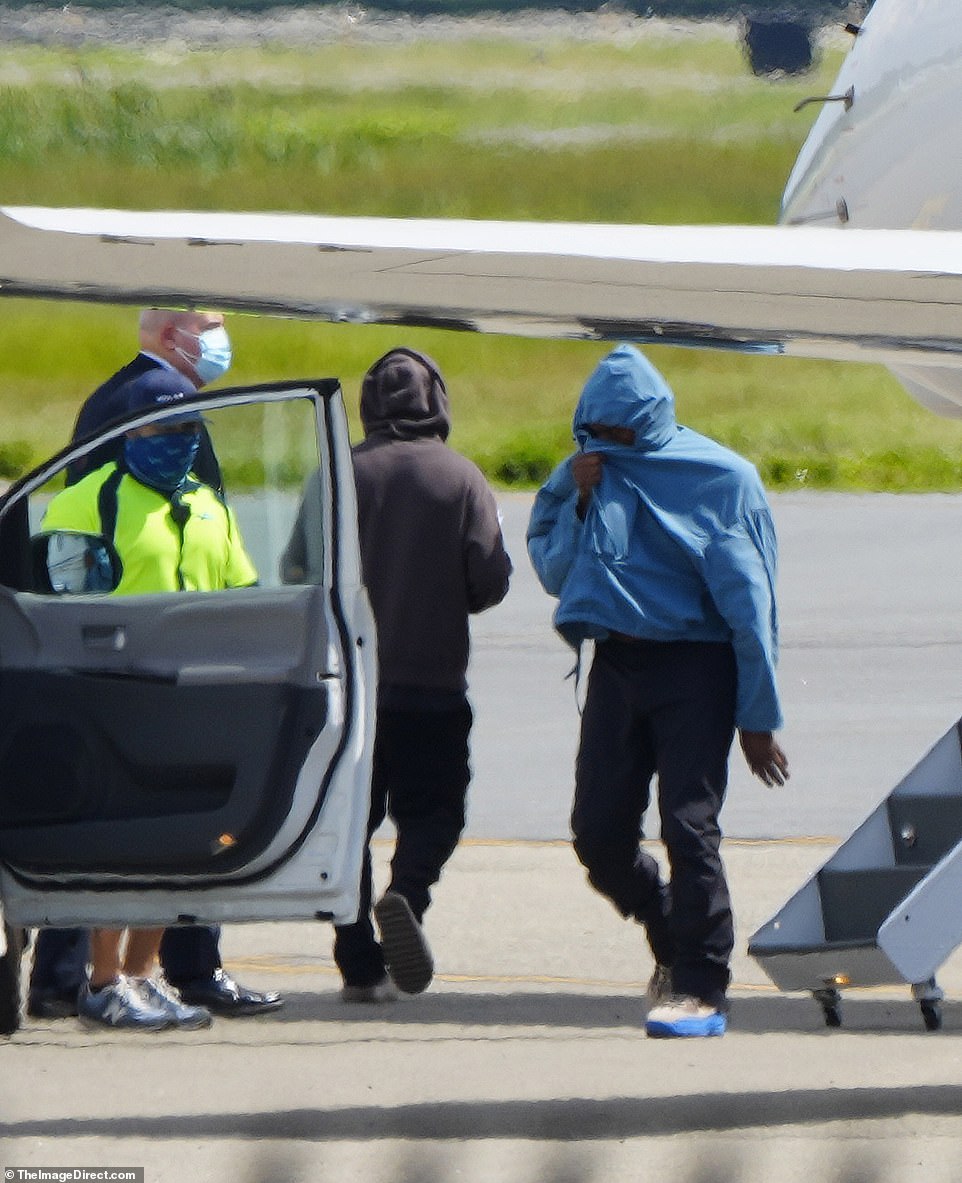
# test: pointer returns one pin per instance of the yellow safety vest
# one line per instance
(189, 543)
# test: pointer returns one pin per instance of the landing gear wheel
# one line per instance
(10, 981)
(931, 1015)
(831, 1003)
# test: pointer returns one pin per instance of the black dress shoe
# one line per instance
(223, 996)
(49, 1005)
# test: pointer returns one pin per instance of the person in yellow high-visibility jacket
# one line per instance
(187, 540)
(180, 351)
(172, 533)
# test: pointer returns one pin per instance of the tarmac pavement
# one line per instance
(526, 1060)
(871, 649)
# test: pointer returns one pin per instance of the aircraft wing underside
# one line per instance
(891, 296)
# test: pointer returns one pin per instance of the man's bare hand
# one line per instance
(765, 758)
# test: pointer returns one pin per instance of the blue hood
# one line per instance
(626, 390)
(676, 541)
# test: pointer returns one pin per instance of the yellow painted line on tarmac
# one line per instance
(268, 965)
(494, 842)
(547, 980)
(547, 843)
(797, 840)
(601, 983)
(802, 840)
(272, 965)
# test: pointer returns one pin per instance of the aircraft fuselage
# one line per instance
(886, 153)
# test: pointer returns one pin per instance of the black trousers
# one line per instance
(664, 708)
(420, 780)
(60, 957)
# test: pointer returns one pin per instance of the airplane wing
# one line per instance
(890, 296)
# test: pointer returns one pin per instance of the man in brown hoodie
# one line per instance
(432, 553)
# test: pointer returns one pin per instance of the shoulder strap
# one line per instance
(107, 503)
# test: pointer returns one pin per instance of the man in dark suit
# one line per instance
(186, 349)
(179, 352)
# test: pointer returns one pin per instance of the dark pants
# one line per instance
(665, 708)
(189, 952)
(420, 780)
(60, 957)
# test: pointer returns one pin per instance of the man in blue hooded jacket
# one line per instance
(660, 547)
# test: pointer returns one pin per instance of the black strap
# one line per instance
(179, 509)
(107, 503)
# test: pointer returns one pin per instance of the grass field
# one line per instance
(650, 123)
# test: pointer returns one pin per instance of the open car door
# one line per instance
(191, 756)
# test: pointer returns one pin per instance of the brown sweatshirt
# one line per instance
(431, 544)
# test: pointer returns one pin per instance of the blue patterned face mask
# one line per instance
(161, 461)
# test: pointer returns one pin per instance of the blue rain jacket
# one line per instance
(677, 542)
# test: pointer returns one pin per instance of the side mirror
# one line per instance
(68, 563)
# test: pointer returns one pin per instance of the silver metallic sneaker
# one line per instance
(119, 1006)
(163, 997)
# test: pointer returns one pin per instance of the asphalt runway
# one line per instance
(871, 654)
(525, 1062)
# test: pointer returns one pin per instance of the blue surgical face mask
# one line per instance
(214, 353)
(161, 461)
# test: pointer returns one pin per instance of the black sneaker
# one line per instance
(406, 951)
(382, 991)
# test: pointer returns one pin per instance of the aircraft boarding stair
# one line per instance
(887, 906)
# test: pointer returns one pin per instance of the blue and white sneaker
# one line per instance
(160, 995)
(685, 1017)
(119, 1006)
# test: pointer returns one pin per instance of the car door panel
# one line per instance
(193, 754)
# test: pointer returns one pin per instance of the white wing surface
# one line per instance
(892, 296)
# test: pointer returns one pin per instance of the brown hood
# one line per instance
(403, 396)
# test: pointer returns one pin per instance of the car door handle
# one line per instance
(104, 636)
(128, 675)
